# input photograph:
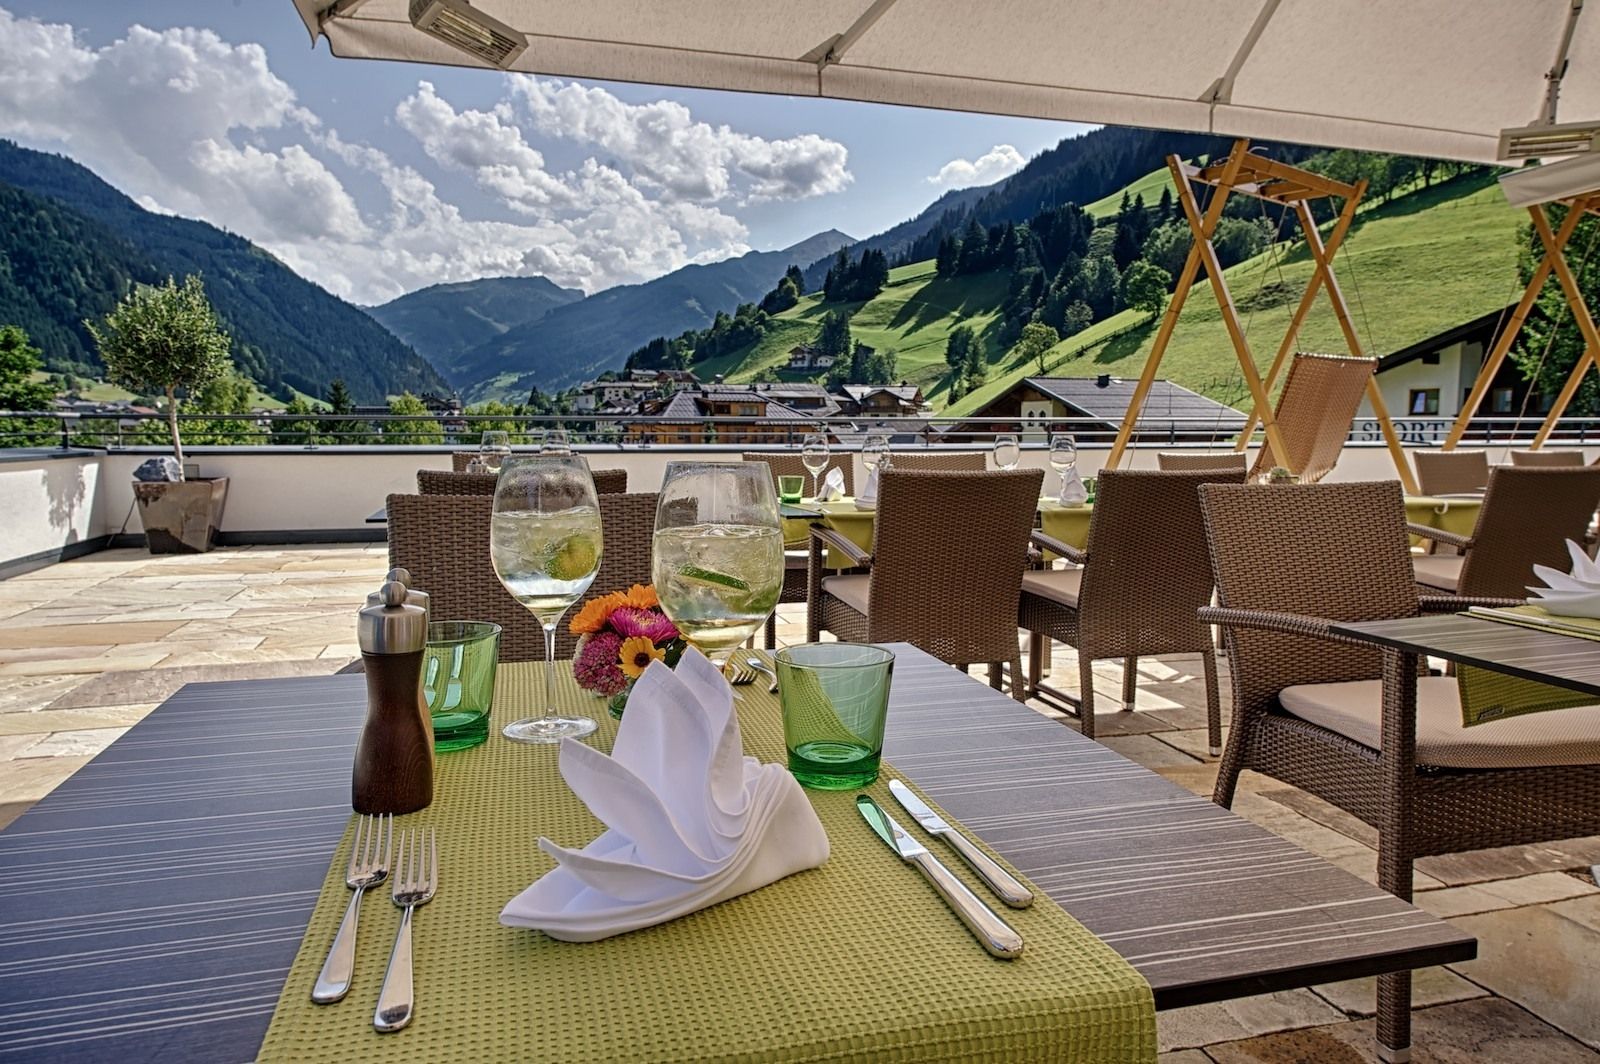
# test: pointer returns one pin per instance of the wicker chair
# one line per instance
(1547, 459)
(444, 541)
(946, 569)
(1196, 461)
(1526, 519)
(796, 562)
(459, 460)
(1311, 709)
(1319, 401)
(439, 482)
(1451, 472)
(1144, 574)
(938, 461)
(789, 464)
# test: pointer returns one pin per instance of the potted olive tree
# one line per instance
(165, 339)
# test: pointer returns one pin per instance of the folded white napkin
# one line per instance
(690, 820)
(1569, 595)
(867, 497)
(1073, 493)
(832, 485)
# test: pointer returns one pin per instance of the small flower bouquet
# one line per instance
(619, 635)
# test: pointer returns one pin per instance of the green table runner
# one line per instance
(855, 961)
(1070, 524)
(1487, 695)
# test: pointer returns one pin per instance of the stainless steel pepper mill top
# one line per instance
(391, 625)
(414, 597)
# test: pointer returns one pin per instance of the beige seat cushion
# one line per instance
(851, 590)
(1057, 585)
(1442, 571)
(1353, 709)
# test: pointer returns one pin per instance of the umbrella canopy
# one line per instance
(1421, 77)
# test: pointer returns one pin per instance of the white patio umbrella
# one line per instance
(1423, 77)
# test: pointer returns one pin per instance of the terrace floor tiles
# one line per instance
(114, 660)
(59, 720)
(1546, 958)
(88, 634)
(1467, 1032)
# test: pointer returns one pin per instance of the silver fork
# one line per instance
(756, 663)
(416, 877)
(369, 865)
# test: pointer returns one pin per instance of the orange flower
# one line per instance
(596, 612)
(642, 597)
(637, 654)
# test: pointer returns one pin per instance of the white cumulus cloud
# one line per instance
(1002, 160)
(186, 122)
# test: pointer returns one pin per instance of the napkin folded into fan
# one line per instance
(690, 820)
(1574, 594)
(832, 485)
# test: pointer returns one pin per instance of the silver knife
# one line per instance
(1003, 883)
(994, 933)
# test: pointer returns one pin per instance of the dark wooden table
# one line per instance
(154, 902)
(1549, 657)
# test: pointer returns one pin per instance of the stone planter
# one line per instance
(181, 517)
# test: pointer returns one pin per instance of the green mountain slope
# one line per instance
(288, 334)
(444, 321)
(1409, 269)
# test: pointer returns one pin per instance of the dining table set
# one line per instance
(671, 848)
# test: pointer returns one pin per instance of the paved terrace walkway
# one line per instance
(88, 647)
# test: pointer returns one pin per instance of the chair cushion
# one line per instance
(1556, 737)
(1057, 585)
(1442, 571)
(851, 590)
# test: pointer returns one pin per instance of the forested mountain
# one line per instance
(1078, 170)
(579, 340)
(444, 321)
(72, 245)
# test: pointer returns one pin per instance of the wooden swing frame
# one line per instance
(1289, 187)
(1554, 261)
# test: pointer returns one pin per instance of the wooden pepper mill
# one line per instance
(394, 757)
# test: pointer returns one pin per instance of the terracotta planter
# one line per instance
(181, 517)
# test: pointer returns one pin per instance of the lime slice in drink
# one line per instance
(693, 574)
(572, 558)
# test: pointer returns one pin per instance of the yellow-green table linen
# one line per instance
(856, 961)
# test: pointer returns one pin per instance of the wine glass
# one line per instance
(1007, 451)
(545, 541)
(494, 448)
(1063, 455)
(875, 451)
(814, 454)
(717, 556)
(556, 441)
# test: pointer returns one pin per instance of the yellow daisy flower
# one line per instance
(637, 654)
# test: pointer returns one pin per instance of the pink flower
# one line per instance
(630, 622)
(596, 664)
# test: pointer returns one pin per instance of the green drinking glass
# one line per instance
(835, 699)
(790, 489)
(458, 669)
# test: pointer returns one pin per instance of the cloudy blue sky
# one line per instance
(374, 179)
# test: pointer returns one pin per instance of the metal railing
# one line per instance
(121, 430)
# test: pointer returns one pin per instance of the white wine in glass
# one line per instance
(717, 556)
(545, 541)
(814, 452)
